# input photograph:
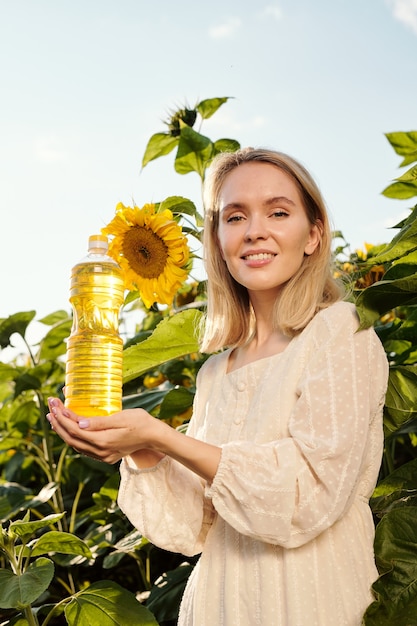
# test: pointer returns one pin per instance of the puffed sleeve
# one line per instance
(167, 502)
(288, 491)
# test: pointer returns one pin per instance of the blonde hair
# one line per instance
(229, 319)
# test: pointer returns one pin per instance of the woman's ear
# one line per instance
(314, 238)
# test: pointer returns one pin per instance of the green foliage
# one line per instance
(100, 604)
(66, 550)
(194, 150)
(177, 334)
(164, 599)
(396, 551)
(389, 303)
(404, 144)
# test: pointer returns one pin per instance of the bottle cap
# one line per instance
(98, 242)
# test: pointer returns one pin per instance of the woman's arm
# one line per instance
(134, 433)
(160, 496)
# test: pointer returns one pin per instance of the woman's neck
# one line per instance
(262, 345)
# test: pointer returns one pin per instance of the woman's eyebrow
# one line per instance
(279, 199)
(232, 206)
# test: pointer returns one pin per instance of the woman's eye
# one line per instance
(279, 213)
(234, 218)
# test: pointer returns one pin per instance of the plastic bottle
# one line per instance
(93, 380)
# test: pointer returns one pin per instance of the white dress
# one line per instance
(285, 529)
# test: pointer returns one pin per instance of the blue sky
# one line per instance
(85, 83)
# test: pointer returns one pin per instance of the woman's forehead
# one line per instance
(257, 179)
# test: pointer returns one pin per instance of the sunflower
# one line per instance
(151, 250)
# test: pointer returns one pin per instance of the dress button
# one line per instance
(237, 421)
(241, 386)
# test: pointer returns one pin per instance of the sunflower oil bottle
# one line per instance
(93, 379)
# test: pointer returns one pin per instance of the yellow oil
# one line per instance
(93, 380)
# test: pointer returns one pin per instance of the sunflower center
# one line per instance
(146, 252)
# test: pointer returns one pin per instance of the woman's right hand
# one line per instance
(108, 439)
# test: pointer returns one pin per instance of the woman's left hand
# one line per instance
(108, 438)
(135, 433)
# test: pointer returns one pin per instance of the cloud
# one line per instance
(272, 10)
(225, 30)
(405, 11)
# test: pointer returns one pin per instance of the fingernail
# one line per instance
(52, 402)
(84, 423)
(48, 417)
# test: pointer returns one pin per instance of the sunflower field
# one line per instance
(67, 553)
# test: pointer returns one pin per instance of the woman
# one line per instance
(272, 481)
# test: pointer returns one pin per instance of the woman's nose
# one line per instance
(256, 229)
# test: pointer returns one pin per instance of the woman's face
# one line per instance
(263, 230)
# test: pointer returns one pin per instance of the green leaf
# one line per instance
(16, 323)
(44, 495)
(404, 329)
(175, 402)
(19, 591)
(34, 377)
(107, 604)
(174, 337)
(7, 373)
(159, 145)
(179, 205)
(404, 144)
(396, 557)
(408, 220)
(400, 401)
(26, 414)
(402, 270)
(129, 544)
(166, 594)
(53, 344)
(132, 541)
(226, 145)
(27, 529)
(403, 243)
(12, 499)
(401, 190)
(61, 542)
(194, 152)
(399, 488)
(110, 489)
(410, 175)
(54, 318)
(25, 382)
(384, 296)
(207, 108)
(147, 400)
(397, 348)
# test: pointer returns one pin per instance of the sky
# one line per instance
(85, 83)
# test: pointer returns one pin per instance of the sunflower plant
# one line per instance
(194, 151)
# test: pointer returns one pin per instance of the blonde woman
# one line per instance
(272, 481)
